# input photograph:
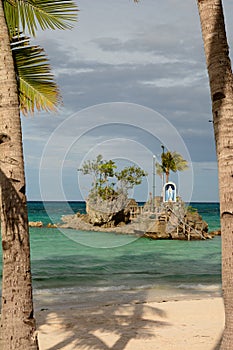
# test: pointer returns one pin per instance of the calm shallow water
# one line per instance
(79, 270)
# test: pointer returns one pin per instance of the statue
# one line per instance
(169, 192)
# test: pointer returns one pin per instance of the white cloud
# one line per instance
(69, 71)
(169, 82)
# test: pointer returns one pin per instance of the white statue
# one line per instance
(170, 194)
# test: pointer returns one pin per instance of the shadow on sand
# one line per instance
(90, 328)
(118, 326)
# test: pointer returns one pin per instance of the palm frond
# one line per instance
(37, 88)
(180, 162)
(47, 14)
(12, 2)
(168, 162)
(159, 169)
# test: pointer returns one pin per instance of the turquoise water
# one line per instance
(73, 265)
(210, 213)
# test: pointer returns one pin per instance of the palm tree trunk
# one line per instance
(167, 176)
(17, 321)
(221, 86)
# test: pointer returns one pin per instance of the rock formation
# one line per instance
(175, 221)
(166, 221)
(108, 213)
(35, 224)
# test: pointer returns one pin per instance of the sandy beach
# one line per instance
(171, 325)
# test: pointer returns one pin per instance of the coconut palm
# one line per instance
(221, 82)
(170, 161)
(37, 89)
(36, 86)
(17, 320)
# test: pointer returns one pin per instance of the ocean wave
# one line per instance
(121, 288)
(200, 287)
(92, 289)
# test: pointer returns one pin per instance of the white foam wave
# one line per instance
(201, 287)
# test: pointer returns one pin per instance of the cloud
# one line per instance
(70, 71)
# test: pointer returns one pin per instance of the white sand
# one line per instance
(171, 325)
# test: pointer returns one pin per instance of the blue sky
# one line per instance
(133, 77)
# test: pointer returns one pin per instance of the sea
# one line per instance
(85, 268)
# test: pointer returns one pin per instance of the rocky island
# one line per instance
(166, 221)
(109, 209)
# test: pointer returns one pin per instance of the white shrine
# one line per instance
(169, 192)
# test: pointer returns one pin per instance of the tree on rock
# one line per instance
(129, 177)
(108, 183)
(101, 171)
(171, 161)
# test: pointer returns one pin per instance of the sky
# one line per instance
(133, 77)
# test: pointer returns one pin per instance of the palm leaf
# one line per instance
(180, 162)
(159, 169)
(47, 14)
(37, 88)
(168, 162)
